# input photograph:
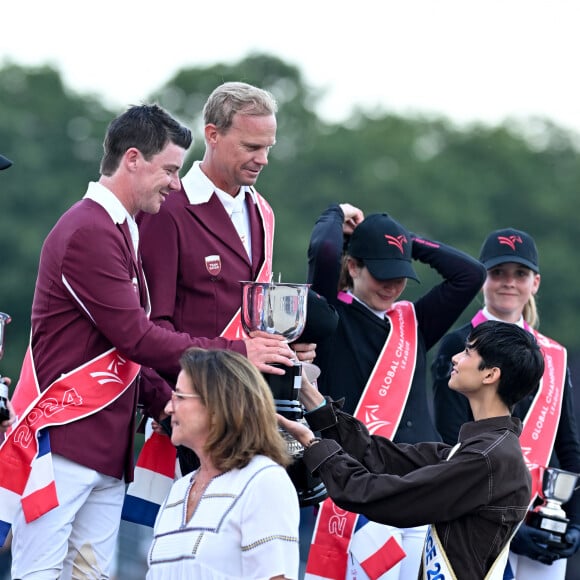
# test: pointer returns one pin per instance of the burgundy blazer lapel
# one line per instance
(214, 218)
(137, 268)
(257, 228)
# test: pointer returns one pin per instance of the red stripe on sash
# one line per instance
(380, 408)
(75, 395)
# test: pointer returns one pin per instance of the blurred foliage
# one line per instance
(450, 183)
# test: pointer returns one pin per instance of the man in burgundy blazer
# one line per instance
(195, 252)
(91, 296)
(193, 255)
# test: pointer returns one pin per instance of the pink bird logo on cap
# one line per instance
(397, 241)
(510, 241)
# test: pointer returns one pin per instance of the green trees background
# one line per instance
(448, 182)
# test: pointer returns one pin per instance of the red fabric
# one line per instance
(384, 559)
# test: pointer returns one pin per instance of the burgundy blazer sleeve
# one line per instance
(154, 393)
(99, 276)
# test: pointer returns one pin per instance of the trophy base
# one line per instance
(555, 526)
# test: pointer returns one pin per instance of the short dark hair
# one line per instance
(515, 352)
(146, 127)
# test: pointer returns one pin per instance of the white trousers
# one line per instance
(77, 539)
(411, 540)
(525, 568)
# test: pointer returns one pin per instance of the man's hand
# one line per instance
(263, 349)
(305, 351)
(352, 217)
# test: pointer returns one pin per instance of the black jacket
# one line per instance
(349, 355)
(475, 499)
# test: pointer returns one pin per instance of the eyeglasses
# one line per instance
(175, 396)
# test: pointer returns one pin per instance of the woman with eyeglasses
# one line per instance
(237, 515)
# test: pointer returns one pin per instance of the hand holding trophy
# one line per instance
(279, 308)
(558, 487)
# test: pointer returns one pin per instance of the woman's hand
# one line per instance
(352, 217)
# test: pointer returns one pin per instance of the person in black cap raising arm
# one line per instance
(376, 358)
(513, 279)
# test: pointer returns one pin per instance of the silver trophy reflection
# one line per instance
(557, 486)
(279, 308)
(4, 413)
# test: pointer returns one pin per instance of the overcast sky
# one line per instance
(469, 60)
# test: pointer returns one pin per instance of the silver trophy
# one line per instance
(557, 487)
(4, 320)
(279, 308)
(4, 413)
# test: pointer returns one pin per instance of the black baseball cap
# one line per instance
(384, 246)
(5, 163)
(509, 245)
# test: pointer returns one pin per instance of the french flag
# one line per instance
(39, 494)
(154, 475)
(375, 548)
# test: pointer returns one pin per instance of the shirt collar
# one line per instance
(378, 313)
(199, 188)
(112, 205)
(490, 316)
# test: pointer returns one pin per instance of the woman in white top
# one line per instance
(237, 515)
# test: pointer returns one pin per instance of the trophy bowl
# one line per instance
(4, 320)
(558, 486)
(279, 308)
(275, 308)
